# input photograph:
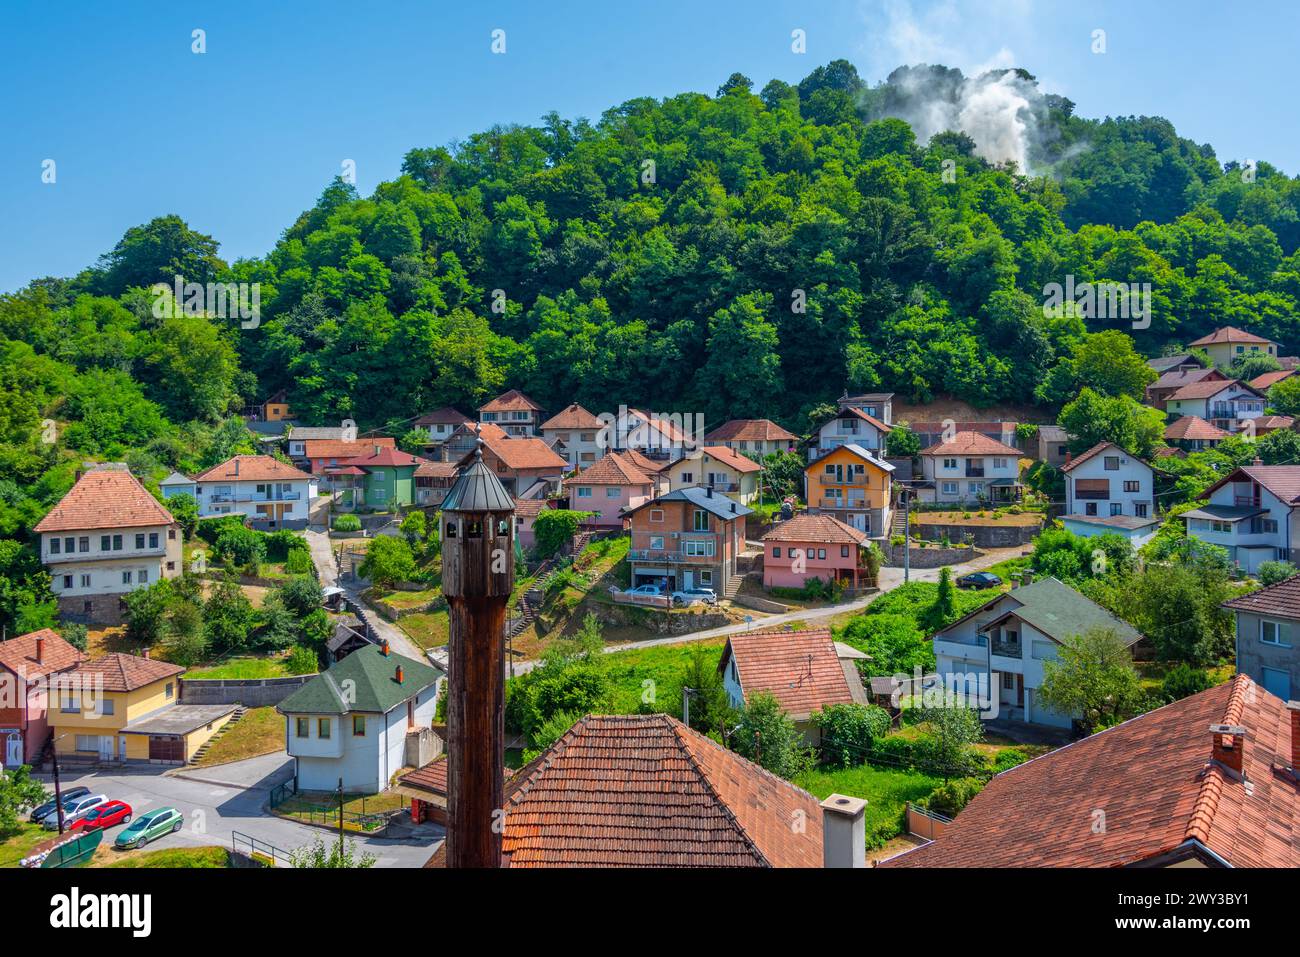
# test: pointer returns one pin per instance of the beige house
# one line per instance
(1227, 345)
(728, 472)
(108, 536)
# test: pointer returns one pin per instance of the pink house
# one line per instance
(812, 546)
(28, 663)
(607, 488)
(526, 512)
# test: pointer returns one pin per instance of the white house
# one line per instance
(575, 435)
(1106, 483)
(851, 426)
(762, 437)
(178, 484)
(1253, 513)
(970, 468)
(661, 438)
(997, 651)
(440, 424)
(878, 405)
(270, 493)
(353, 722)
(728, 472)
(1225, 405)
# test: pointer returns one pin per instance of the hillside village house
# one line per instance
(878, 405)
(970, 468)
(1184, 360)
(108, 536)
(269, 493)
(361, 737)
(1268, 636)
(464, 440)
(1271, 423)
(516, 414)
(762, 437)
(1052, 445)
(526, 512)
(440, 424)
(389, 477)
(126, 708)
(178, 484)
(814, 546)
(322, 455)
(1208, 781)
(432, 482)
(728, 472)
(1267, 380)
(662, 438)
(999, 648)
(688, 538)
(854, 486)
(1158, 392)
(1192, 434)
(608, 488)
(578, 433)
(805, 671)
(298, 436)
(1109, 491)
(28, 666)
(1253, 513)
(1225, 405)
(850, 426)
(525, 466)
(1225, 346)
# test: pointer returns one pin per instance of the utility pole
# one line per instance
(58, 791)
(686, 705)
(340, 814)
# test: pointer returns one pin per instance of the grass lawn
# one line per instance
(663, 665)
(247, 667)
(259, 731)
(887, 791)
(1151, 674)
(409, 599)
(1008, 569)
(980, 517)
(209, 857)
(20, 842)
(427, 629)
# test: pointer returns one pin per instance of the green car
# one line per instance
(147, 827)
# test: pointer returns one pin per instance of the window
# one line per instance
(83, 543)
(844, 551)
(87, 742)
(126, 578)
(698, 547)
(1270, 633)
(139, 540)
(1131, 486)
(107, 706)
(656, 514)
(613, 491)
(950, 463)
(301, 728)
(706, 578)
(776, 551)
(323, 728)
(1117, 508)
(949, 488)
(701, 520)
(105, 542)
(977, 488)
(821, 554)
(55, 545)
(358, 726)
(999, 463)
(68, 704)
(584, 491)
(117, 543)
(142, 576)
(67, 581)
(1140, 509)
(169, 690)
(153, 539)
(1089, 508)
(85, 581)
(1111, 463)
(1008, 680)
(688, 477)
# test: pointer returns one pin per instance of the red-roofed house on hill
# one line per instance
(814, 546)
(527, 467)
(1193, 435)
(1268, 636)
(26, 666)
(607, 488)
(578, 433)
(1253, 512)
(440, 424)
(761, 437)
(728, 472)
(514, 412)
(1209, 781)
(1224, 404)
(1227, 345)
(108, 536)
(970, 467)
(1109, 491)
(269, 493)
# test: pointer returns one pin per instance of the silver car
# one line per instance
(695, 596)
(73, 809)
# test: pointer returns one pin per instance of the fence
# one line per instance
(252, 848)
(250, 692)
(283, 791)
(925, 823)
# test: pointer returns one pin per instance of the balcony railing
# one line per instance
(1007, 649)
(844, 503)
(221, 497)
(669, 555)
(974, 471)
(970, 641)
(100, 555)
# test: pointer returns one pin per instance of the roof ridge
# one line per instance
(1207, 798)
(677, 727)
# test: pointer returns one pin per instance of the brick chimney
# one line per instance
(383, 647)
(236, 464)
(1258, 461)
(398, 674)
(40, 653)
(1294, 708)
(844, 839)
(144, 653)
(1229, 745)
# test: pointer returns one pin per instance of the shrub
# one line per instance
(1009, 758)
(299, 562)
(210, 529)
(146, 611)
(347, 522)
(241, 546)
(848, 731)
(767, 736)
(950, 797)
(388, 561)
(1270, 573)
(1183, 681)
(302, 661)
(75, 634)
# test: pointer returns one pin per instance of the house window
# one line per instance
(142, 576)
(85, 581)
(706, 578)
(323, 728)
(1089, 508)
(656, 514)
(1117, 508)
(1131, 486)
(105, 542)
(87, 742)
(1270, 633)
(584, 491)
(1008, 680)
(153, 539)
(776, 551)
(358, 726)
(999, 463)
(55, 545)
(67, 581)
(701, 520)
(821, 554)
(656, 543)
(949, 488)
(698, 548)
(844, 551)
(139, 540)
(69, 704)
(688, 477)
(1140, 509)
(301, 726)
(117, 543)
(950, 463)
(1111, 463)
(126, 578)
(613, 491)
(169, 691)
(83, 543)
(107, 706)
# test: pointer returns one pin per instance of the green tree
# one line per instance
(555, 527)
(1093, 676)
(18, 791)
(185, 510)
(228, 617)
(848, 731)
(146, 612)
(1284, 397)
(766, 735)
(1270, 573)
(388, 561)
(902, 442)
(954, 728)
(1093, 418)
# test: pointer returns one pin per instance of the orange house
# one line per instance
(689, 538)
(854, 486)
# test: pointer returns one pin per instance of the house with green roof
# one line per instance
(353, 721)
(997, 651)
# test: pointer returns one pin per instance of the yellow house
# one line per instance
(1226, 345)
(125, 708)
(853, 485)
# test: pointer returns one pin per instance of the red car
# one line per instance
(104, 816)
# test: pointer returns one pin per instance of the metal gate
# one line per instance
(166, 747)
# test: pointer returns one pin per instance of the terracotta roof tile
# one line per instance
(1191, 427)
(510, 401)
(252, 468)
(1282, 480)
(1231, 334)
(647, 791)
(815, 528)
(1097, 449)
(19, 654)
(1270, 422)
(572, 417)
(612, 469)
(1207, 389)
(644, 463)
(1281, 599)
(524, 453)
(105, 498)
(121, 672)
(1269, 379)
(339, 449)
(801, 669)
(741, 463)
(1177, 378)
(971, 443)
(750, 430)
(427, 469)
(383, 457)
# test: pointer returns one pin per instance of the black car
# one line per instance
(45, 810)
(979, 580)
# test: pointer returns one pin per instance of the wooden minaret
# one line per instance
(478, 573)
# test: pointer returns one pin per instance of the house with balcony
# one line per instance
(432, 482)
(1110, 491)
(850, 426)
(527, 467)
(439, 426)
(108, 536)
(811, 546)
(761, 437)
(323, 456)
(28, 666)
(1158, 392)
(878, 405)
(659, 437)
(1253, 512)
(728, 472)
(577, 433)
(1192, 434)
(514, 413)
(997, 651)
(1225, 346)
(608, 489)
(969, 468)
(1225, 405)
(688, 538)
(1268, 636)
(852, 485)
(269, 493)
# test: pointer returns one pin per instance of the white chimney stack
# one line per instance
(844, 838)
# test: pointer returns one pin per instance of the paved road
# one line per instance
(219, 800)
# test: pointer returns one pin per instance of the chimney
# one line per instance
(708, 492)
(1229, 745)
(398, 674)
(40, 655)
(844, 838)
(1258, 462)
(144, 653)
(1294, 708)
(1027, 576)
(383, 647)
(376, 451)
(236, 464)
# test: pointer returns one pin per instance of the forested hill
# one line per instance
(749, 253)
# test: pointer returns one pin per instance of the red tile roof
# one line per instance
(121, 672)
(750, 430)
(252, 468)
(647, 791)
(1156, 783)
(444, 416)
(1230, 334)
(18, 655)
(383, 457)
(1191, 427)
(1268, 423)
(427, 469)
(859, 414)
(521, 454)
(1097, 449)
(815, 528)
(1269, 379)
(613, 469)
(530, 507)
(340, 449)
(1282, 480)
(801, 669)
(1282, 600)
(741, 463)
(1177, 378)
(1208, 388)
(511, 401)
(572, 417)
(105, 498)
(971, 443)
(664, 425)
(645, 464)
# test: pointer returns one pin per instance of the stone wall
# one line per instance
(250, 692)
(929, 557)
(657, 620)
(104, 609)
(983, 536)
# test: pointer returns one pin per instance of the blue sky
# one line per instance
(239, 140)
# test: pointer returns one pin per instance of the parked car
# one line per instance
(979, 580)
(73, 809)
(104, 816)
(150, 826)
(694, 596)
(653, 591)
(40, 811)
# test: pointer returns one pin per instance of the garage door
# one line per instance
(166, 747)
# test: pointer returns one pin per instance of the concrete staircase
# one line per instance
(207, 745)
(732, 585)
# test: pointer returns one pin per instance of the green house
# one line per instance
(389, 479)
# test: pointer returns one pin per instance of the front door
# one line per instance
(121, 748)
(688, 580)
(13, 749)
(106, 747)
(1277, 683)
(858, 521)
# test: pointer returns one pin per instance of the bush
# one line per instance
(347, 522)
(146, 612)
(302, 661)
(767, 736)
(950, 797)
(240, 546)
(299, 562)
(1182, 681)
(848, 731)
(1270, 573)
(388, 561)
(75, 634)
(1009, 758)
(210, 529)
